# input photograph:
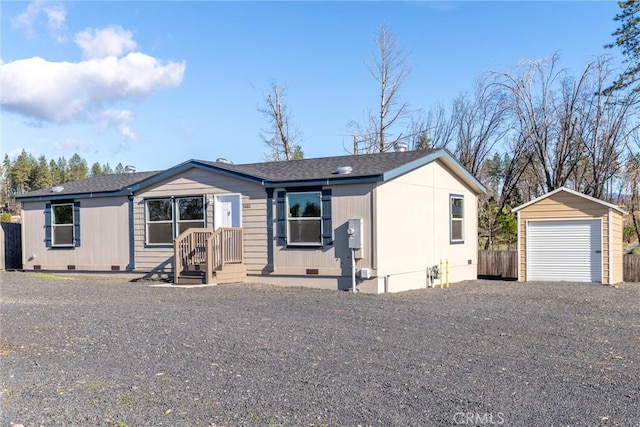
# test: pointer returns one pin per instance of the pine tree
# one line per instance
(96, 169)
(77, 168)
(41, 176)
(106, 169)
(627, 37)
(62, 169)
(21, 172)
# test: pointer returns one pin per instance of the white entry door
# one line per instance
(227, 211)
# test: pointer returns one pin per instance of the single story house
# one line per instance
(389, 217)
(568, 236)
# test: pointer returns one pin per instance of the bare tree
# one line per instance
(607, 127)
(632, 180)
(480, 123)
(281, 137)
(435, 129)
(390, 68)
(544, 101)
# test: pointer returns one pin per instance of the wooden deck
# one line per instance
(205, 256)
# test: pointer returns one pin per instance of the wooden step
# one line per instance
(194, 268)
(189, 279)
(230, 277)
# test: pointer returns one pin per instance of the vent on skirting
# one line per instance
(37, 267)
(71, 267)
(115, 268)
(312, 271)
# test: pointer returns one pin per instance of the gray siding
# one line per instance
(347, 201)
(196, 182)
(104, 231)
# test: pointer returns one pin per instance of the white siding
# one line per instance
(412, 228)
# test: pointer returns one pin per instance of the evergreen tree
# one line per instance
(62, 169)
(54, 172)
(106, 169)
(41, 176)
(119, 168)
(77, 168)
(21, 172)
(6, 166)
(96, 169)
(627, 37)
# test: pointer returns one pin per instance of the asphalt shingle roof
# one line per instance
(325, 167)
(364, 165)
(97, 184)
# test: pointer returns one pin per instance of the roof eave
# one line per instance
(188, 165)
(323, 181)
(67, 196)
(570, 191)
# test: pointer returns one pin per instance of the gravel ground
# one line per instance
(82, 351)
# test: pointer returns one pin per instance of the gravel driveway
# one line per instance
(82, 351)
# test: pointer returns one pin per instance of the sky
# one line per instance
(155, 83)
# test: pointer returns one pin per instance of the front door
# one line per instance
(227, 211)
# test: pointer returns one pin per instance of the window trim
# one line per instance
(319, 219)
(72, 225)
(453, 241)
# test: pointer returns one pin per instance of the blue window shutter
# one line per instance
(281, 218)
(47, 225)
(76, 224)
(327, 228)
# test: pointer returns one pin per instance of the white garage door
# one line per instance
(568, 250)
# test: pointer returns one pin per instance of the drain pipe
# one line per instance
(353, 270)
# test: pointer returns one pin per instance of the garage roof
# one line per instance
(575, 193)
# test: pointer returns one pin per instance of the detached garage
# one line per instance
(568, 236)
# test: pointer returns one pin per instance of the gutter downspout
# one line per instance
(353, 271)
(132, 242)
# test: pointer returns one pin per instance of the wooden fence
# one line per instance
(11, 246)
(498, 264)
(504, 264)
(631, 268)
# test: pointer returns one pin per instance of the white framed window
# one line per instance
(304, 218)
(166, 218)
(159, 220)
(62, 225)
(190, 211)
(456, 217)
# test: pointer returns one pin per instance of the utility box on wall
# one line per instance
(354, 229)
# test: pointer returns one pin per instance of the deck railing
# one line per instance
(212, 249)
(190, 248)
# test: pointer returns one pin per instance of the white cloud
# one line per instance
(54, 12)
(119, 119)
(110, 41)
(112, 71)
(62, 92)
